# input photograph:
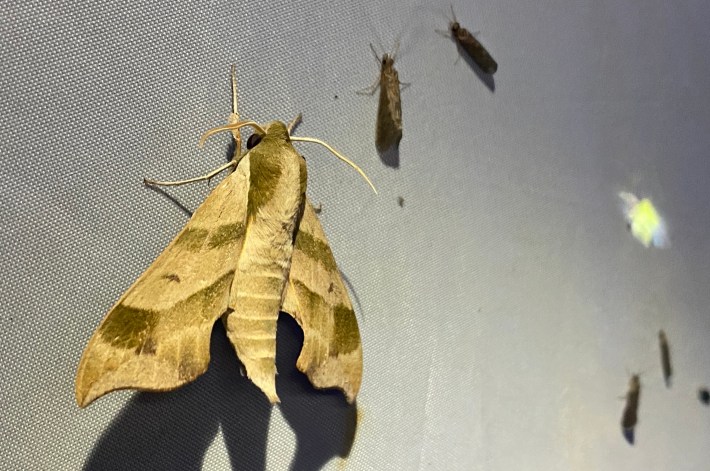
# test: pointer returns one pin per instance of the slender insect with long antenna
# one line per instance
(665, 358)
(629, 418)
(388, 130)
(468, 42)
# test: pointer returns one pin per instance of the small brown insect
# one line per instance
(388, 130)
(665, 358)
(472, 46)
(172, 277)
(400, 201)
(629, 418)
(318, 209)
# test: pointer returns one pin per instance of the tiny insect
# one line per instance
(645, 223)
(475, 50)
(665, 358)
(318, 209)
(704, 396)
(388, 129)
(400, 201)
(629, 418)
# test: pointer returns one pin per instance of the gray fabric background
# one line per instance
(501, 309)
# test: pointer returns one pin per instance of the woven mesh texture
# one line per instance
(500, 307)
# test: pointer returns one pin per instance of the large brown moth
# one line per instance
(253, 248)
(475, 50)
(388, 129)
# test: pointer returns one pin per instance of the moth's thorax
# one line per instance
(388, 74)
(634, 384)
(277, 130)
(277, 180)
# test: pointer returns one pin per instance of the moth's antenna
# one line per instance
(209, 176)
(235, 96)
(294, 122)
(230, 127)
(338, 155)
(374, 53)
(234, 117)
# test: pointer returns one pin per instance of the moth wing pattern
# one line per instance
(156, 337)
(476, 51)
(317, 299)
(389, 110)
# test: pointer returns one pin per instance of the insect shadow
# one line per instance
(173, 430)
(390, 157)
(487, 79)
(170, 198)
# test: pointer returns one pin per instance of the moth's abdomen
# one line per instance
(276, 192)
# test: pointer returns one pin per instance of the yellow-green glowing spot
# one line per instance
(644, 221)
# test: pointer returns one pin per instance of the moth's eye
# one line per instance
(253, 140)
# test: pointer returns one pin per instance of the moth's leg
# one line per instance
(209, 176)
(445, 34)
(371, 89)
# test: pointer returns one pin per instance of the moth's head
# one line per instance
(454, 26)
(387, 60)
(275, 130)
(635, 382)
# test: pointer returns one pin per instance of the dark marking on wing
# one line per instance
(225, 235)
(192, 239)
(128, 327)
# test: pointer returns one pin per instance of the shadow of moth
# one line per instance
(253, 248)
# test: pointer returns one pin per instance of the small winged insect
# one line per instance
(665, 358)
(629, 417)
(704, 396)
(475, 50)
(388, 129)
